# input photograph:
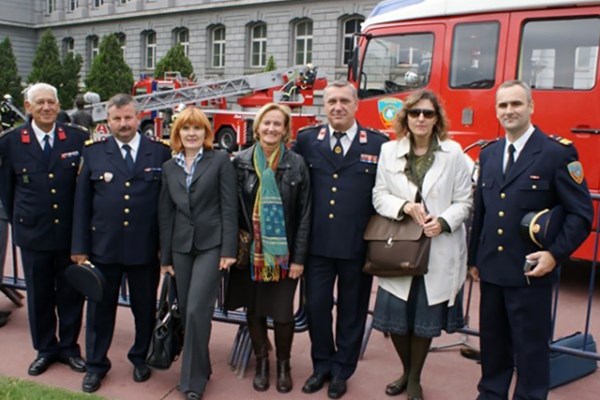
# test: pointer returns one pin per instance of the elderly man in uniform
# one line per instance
(526, 171)
(3, 244)
(38, 169)
(342, 158)
(116, 227)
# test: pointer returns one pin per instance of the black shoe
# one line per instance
(4, 314)
(193, 396)
(40, 365)
(3, 321)
(76, 363)
(397, 387)
(284, 377)
(337, 388)
(141, 373)
(92, 381)
(261, 377)
(315, 382)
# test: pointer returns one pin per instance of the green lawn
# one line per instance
(17, 389)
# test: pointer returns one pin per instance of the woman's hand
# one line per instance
(79, 258)
(296, 270)
(417, 212)
(226, 263)
(432, 228)
(167, 269)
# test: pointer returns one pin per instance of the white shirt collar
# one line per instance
(134, 144)
(40, 134)
(519, 143)
(346, 140)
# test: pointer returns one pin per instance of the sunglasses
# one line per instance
(416, 112)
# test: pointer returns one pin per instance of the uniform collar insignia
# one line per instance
(322, 134)
(25, 137)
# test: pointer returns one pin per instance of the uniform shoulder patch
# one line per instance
(96, 140)
(162, 141)
(576, 171)
(561, 140)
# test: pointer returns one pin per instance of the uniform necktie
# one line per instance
(338, 150)
(128, 157)
(511, 160)
(47, 148)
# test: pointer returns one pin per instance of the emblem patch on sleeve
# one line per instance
(576, 171)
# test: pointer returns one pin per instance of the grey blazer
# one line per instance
(204, 217)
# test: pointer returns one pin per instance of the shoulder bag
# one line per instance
(244, 239)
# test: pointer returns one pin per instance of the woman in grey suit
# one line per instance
(198, 235)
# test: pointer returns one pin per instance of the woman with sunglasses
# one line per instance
(425, 176)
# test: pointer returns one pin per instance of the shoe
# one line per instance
(261, 377)
(76, 363)
(5, 314)
(396, 388)
(92, 381)
(315, 382)
(193, 396)
(141, 373)
(284, 378)
(337, 388)
(40, 365)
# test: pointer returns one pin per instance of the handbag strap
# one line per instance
(244, 211)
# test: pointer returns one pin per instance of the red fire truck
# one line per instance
(463, 50)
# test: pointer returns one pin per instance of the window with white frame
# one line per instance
(303, 42)
(68, 46)
(150, 49)
(50, 6)
(98, 3)
(351, 26)
(94, 47)
(182, 37)
(122, 38)
(218, 47)
(258, 45)
(73, 5)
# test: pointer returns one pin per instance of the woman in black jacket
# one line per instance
(275, 208)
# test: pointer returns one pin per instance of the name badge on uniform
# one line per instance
(369, 158)
(107, 177)
(321, 134)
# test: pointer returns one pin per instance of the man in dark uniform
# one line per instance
(342, 157)
(3, 244)
(116, 227)
(524, 171)
(38, 169)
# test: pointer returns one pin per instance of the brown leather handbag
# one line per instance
(396, 248)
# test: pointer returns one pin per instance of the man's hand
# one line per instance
(167, 269)
(545, 263)
(296, 270)
(226, 263)
(474, 273)
(79, 258)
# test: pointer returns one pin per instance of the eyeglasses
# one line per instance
(416, 112)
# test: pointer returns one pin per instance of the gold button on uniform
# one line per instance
(500, 248)
(502, 195)
(126, 197)
(55, 206)
(501, 214)
(126, 211)
(56, 221)
(334, 189)
(500, 232)
(126, 223)
(53, 191)
(534, 186)
(51, 175)
(332, 202)
(331, 216)
(127, 184)
(335, 176)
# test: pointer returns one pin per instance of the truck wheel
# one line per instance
(148, 129)
(226, 139)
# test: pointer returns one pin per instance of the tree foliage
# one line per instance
(174, 60)
(271, 66)
(109, 73)
(10, 81)
(46, 65)
(71, 69)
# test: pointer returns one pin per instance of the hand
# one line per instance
(474, 273)
(417, 212)
(226, 262)
(545, 263)
(296, 270)
(167, 269)
(79, 258)
(432, 227)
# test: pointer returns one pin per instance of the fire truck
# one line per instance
(463, 50)
(159, 100)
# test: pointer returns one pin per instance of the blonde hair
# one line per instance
(191, 116)
(287, 116)
(401, 122)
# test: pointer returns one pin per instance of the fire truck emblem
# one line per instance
(388, 108)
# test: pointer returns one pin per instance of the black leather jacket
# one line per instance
(294, 186)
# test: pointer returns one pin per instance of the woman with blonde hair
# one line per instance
(198, 235)
(273, 183)
(424, 176)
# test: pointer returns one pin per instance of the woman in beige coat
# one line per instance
(423, 175)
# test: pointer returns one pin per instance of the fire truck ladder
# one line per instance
(206, 91)
(16, 109)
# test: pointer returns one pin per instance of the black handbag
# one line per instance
(244, 239)
(167, 337)
(396, 248)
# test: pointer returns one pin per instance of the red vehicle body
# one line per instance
(463, 50)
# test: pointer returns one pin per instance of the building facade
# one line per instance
(222, 38)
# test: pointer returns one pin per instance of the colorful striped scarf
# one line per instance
(270, 254)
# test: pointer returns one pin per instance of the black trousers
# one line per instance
(52, 303)
(142, 282)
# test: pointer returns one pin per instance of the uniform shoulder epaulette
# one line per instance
(90, 142)
(7, 131)
(486, 143)
(162, 141)
(561, 140)
(378, 132)
(305, 128)
(75, 126)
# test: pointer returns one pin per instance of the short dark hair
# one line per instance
(120, 100)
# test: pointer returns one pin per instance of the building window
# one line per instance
(303, 43)
(98, 3)
(258, 45)
(124, 1)
(93, 46)
(73, 4)
(351, 26)
(122, 38)
(218, 47)
(68, 46)
(182, 37)
(150, 49)
(50, 6)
